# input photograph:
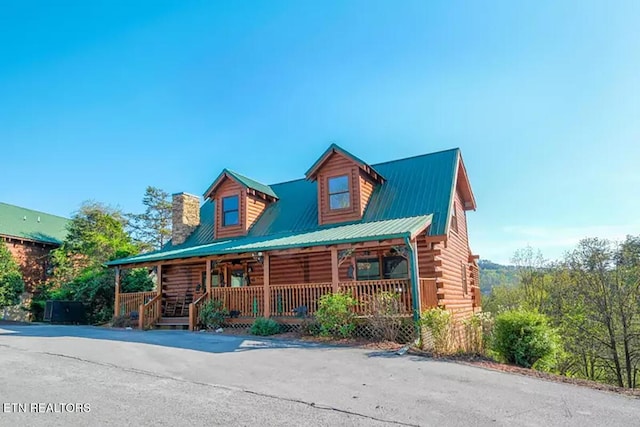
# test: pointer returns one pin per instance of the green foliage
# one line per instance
(493, 275)
(96, 234)
(264, 327)
(95, 288)
(503, 298)
(310, 326)
(213, 314)
(11, 283)
(152, 229)
(476, 333)
(524, 338)
(438, 331)
(335, 315)
(384, 310)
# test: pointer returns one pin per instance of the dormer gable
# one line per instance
(239, 201)
(345, 184)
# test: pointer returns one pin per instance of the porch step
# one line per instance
(173, 321)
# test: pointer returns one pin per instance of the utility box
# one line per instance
(65, 312)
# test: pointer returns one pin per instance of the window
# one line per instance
(454, 219)
(339, 195)
(237, 278)
(230, 211)
(368, 269)
(463, 274)
(395, 267)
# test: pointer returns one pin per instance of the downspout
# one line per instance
(415, 296)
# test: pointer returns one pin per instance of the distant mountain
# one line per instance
(492, 274)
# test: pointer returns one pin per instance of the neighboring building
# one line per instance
(273, 250)
(30, 236)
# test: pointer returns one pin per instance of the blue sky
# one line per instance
(100, 99)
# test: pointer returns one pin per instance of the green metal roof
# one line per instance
(337, 149)
(350, 233)
(32, 225)
(414, 187)
(244, 181)
(248, 182)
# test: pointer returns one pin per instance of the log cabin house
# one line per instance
(30, 236)
(274, 250)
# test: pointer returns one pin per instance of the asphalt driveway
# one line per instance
(183, 378)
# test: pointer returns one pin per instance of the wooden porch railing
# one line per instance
(428, 294)
(364, 290)
(245, 301)
(296, 300)
(132, 301)
(194, 311)
(150, 312)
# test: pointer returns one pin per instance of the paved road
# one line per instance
(180, 378)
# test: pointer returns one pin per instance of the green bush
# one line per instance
(212, 314)
(11, 283)
(335, 315)
(264, 327)
(438, 331)
(524, 338)
(476, 332)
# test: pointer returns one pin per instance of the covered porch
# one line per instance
(285, 276)
(286, 285)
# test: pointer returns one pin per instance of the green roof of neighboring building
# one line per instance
(418, 186)
(33, 225)
(349, 233)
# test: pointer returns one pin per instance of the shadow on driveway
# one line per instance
(197, 341)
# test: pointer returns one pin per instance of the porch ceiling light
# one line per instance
(258, 257)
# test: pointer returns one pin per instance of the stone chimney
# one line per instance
(185, 216)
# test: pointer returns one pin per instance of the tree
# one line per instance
(605, 280)
(96, 234)
(11, 283)
(531, 267)
(152, 229)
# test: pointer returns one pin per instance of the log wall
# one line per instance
(455, 267)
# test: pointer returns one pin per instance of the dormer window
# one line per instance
(339, 194)
(230, 211)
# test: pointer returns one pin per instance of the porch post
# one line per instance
(207, 280)
(335, 277)
(159, 279)
(413, 274)
(266, 273)
(116, 306)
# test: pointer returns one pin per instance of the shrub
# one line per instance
(384, 318)
(438, 331)
(310, 326)
(335, 315)
(212, 314)
(11, 283)
(264, 327)
(524, 338)
(476, 332)
(124, 321)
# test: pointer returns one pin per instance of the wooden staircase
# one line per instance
(173, 322)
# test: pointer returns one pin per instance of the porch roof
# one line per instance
(332, 235)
